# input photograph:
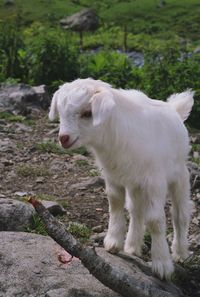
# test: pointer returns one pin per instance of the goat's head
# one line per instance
(83, 106)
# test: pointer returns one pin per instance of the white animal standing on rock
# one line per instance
(142, 147)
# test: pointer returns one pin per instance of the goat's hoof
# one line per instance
(131, 250)
(111, 245)
(163, 269)
(179, 255)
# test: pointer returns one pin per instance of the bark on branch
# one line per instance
(112, 277)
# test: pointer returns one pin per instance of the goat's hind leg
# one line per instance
(114, 239)
(181, 211)
(162, 264)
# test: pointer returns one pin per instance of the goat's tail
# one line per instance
(182, 103)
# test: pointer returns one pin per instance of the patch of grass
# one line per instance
(82, 163)
(147, 239)
(80, 231)
(32, 171)
(45, 197)
(196, 160)
(81, 151)
(64, 204)
(50, 147)
(196, 147)
(37, 226)
(10, 117)
(94, 172)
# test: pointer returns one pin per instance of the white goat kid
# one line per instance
(142, 147)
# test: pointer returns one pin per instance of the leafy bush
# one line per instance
(109, 66)
(52, 58)
(10, 42)
(170, 72)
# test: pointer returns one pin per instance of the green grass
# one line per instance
(37, 226)
(9, 117)
(45, 197)
(196, 147)
(81, 163)
(81, 151)
(196, 160)
(177, 17)
(32, 171)
(80, 231)
(49, 147)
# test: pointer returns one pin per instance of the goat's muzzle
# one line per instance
(66, 142)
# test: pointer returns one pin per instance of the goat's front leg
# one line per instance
(136, 208)
(114, 239)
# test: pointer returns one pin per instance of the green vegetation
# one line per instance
(94, 172)
(80, 231)
(10, 117)
(35, 50)
(50, 147)
(32, 171)
(45, 197)
(81, 151)
(37, 226)
(82, 163)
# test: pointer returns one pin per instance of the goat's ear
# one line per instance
(102, 104)
(53, 108)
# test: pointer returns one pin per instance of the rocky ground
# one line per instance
(32, 163)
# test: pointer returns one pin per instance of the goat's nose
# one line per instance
(64, 139)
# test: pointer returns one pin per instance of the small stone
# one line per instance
(23, 128)
(89, 183)
(21, 194)
(7, 162)
(98, 238)
(97, 229)
(195, 155)
(54, 208)
(40, 180)
(195, 221)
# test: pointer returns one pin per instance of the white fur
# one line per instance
(142, 147)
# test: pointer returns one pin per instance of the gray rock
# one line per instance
(6, 145)
(84, 20)
(137, 58)
(9, 2)
(93, 182)
(19, 127)
(15, 215)
(29, 267)
(23, 99)
(53, 207)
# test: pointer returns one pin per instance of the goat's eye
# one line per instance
(86, 114)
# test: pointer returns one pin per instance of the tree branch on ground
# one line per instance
(124, 284)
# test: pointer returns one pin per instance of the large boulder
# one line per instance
(23, 99)
(29, 267)
(15, 215)
(85, 20)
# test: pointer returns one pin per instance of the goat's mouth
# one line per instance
(67, 145)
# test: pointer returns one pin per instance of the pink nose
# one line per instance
(64, 139)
